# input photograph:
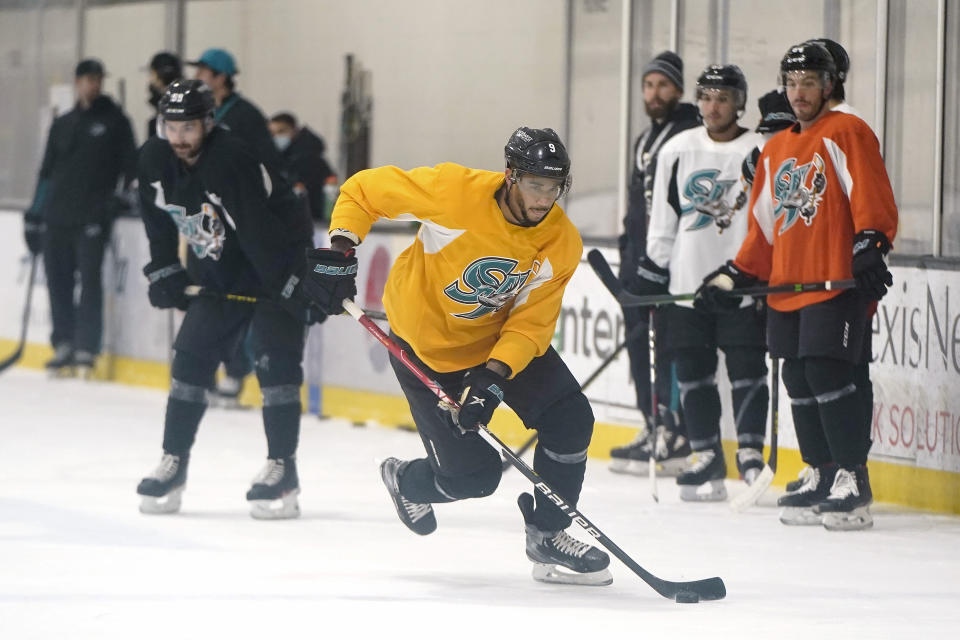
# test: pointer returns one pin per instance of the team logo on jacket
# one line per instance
(792, 198)
(204, 230)
(487, 285)
(706, 196)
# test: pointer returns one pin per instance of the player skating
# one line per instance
(246, 235)
(474, 301)
(831, 162)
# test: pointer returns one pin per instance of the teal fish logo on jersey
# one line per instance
(792, 198)
(705, 194)
(488, 282)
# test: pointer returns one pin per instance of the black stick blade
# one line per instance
(707, 589)
(602, 268)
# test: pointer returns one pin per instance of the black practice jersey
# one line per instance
(246, 230)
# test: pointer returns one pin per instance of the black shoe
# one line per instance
(162, 489)
(799, 507)
(707, 468)
(277, 481)
(553, 551)
(418, 517)
(847, 507)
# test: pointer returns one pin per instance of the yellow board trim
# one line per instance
(914, 487)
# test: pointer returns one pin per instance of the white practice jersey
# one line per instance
(695, 223)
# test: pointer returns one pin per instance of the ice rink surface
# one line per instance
(77, 559)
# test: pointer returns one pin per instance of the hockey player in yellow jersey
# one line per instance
(474, 301)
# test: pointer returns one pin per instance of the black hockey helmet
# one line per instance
(840, 57)
(775, 112)
(808, 56)
(186, 100)
(538, 152)
(724, 76)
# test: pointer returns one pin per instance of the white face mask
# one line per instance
(281, 142)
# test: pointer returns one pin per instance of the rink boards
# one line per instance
(915, 459)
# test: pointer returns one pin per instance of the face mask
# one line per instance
(281, 142)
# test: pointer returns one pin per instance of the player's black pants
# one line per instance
(826, 353)
(68, 251)
(545, 396)
(210, 329)
(693, 338)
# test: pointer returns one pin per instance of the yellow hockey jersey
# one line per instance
(472, 286)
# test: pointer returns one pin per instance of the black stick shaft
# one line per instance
(15, 356)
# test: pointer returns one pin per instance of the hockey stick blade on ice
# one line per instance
(706, 589)
(15, 356)
(763, 481)
(627, 299)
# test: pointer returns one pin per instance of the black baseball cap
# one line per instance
(89, 67)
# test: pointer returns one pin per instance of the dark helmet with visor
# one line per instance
(724, 76)
(185, 100)
(808, 56)
(538, 152)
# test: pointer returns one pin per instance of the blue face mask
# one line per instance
(281, 142)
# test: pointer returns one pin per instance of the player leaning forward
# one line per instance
(246, 234)
(475, 300)
(821, 209)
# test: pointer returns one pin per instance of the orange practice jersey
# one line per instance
(472, 286)
(813, 191)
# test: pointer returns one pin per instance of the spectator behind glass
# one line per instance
(302, 152)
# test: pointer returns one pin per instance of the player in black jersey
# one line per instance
(246, 235)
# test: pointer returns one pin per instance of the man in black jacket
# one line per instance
(89, 149)
(164, 68)
(246, 234)
(662, 90)
(302, 151)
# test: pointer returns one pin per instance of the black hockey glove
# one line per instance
(869, 268)
(168, 285)
(292, 300)
(33, 229)
(482, 394)
(650, 280)
(331, 278)
(712, 296)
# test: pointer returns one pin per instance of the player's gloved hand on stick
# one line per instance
(482, 394)
(293, 301)
(712, 295)
(869, 269)
(330, 279)
(33, 228)
(168, 285)
(650, 280)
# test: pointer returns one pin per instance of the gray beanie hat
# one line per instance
(669, 64)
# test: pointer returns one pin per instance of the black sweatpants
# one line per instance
(545, 396)
(209, 332)
(68, 251)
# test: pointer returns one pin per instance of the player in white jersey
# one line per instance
(694, 223)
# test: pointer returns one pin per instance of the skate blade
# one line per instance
(716, 492)
(800, 516)
(749, 497)
(85, 373)
(284, 508)
(58, 373)
(556, 574)
(619, 465)
(855, 520)
(169, 503)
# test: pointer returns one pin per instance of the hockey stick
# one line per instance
(655, 406)
(586, 383)
(12, 359)
(195, 291)
(707, 589)
(627, 299)
(763, 481)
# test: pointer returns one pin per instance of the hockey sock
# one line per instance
(861, 377)
(747, 370)
(420, 483)
(814, 448)
(281, 419)
(840, 408)
(185, 407)
(696, 372)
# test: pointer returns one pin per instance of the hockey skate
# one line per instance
(162, 489)
(418, 517)
(558, 557)
(630, 457)
(83, 362)
(671, 450)
(61, 364)
(847, 507)
(226, 393)
(749, 464)
(794, 485)
(798, 507)
(707, 469)
(273, 495)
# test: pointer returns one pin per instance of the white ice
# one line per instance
(77, 560)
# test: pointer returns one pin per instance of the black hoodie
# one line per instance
(306, 164)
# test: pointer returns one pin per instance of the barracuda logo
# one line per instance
(705, 197)
(488, 282)
(794, 200)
